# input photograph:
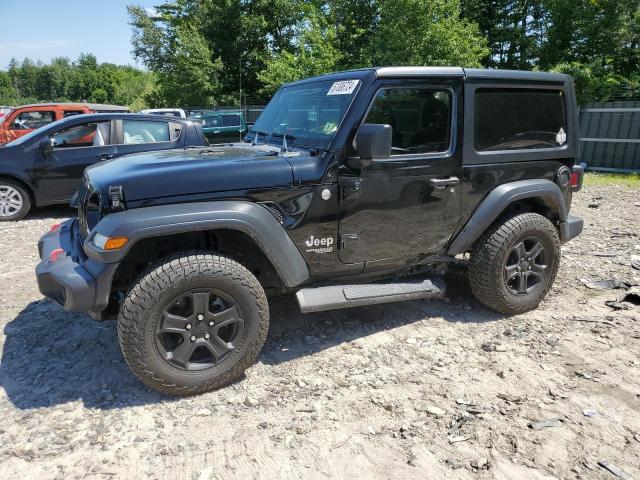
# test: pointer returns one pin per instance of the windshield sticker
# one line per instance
(561, 137)
(345, 87)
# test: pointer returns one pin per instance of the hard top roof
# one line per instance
(93, 106)
(123, 115)
(416, 72)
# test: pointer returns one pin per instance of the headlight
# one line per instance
(109, 243)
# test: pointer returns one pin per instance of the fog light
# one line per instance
(109, 243)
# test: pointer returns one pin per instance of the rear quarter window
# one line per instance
(143, 131)
(519, 119)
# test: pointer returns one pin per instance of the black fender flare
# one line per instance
(249, 218)
(498, 200)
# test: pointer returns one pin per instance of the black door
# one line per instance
(76, 147)
(407, 205)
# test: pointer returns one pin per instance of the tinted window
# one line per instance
(30, 120)
(513, 119)
(230, 120)
(84, 135)
(70, 113)
(142, 131)
(420, 118)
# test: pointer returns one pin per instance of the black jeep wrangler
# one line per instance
(352, 189)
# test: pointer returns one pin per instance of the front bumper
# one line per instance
(78, 283)
(571, 228)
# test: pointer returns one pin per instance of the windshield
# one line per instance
(308, 114)
(36, 132)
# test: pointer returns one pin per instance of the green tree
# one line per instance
(431, 33)
(237, 36)
(336, 35)
(313, 54)
(596, 40)
(82, 80)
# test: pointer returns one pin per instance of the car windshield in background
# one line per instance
(34, 133)
(308, 114)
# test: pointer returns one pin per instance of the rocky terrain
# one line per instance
(445, 389)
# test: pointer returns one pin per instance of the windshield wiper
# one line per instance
(257, 133)
(285, 147)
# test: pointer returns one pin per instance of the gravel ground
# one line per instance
(443, 389)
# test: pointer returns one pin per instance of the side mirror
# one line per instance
(47, 144)
(373, 141)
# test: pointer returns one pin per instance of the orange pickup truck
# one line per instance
(23, 120)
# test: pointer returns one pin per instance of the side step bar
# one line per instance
(343, 296)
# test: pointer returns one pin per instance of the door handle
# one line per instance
(106, 156)
(443, 182)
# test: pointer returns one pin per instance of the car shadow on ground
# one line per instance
(293, 334)
(52, 357)
(52, 211)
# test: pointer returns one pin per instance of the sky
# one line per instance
(43, 29)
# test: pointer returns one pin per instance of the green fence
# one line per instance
(610, 136)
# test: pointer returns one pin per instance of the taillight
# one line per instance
(575, 179)
(577, 175)
(55, 227)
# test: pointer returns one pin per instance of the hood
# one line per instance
(192, 171)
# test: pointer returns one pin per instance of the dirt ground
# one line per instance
(442, 389)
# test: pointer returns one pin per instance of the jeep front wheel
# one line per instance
(514, 263)
(193, 323)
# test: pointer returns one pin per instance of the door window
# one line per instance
(93, 134)
(230, 120)
(419, 117)
(175, 130)
(144, 131)
(515, 119)
(32, 120)
(210, 121)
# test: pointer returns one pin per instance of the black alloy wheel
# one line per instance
(514, 263)
(526, 266)
(198, 329)
(193, 322)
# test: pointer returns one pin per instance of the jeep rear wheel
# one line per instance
(193, 323)
(514, 263)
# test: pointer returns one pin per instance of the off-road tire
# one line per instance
(491, 252)
(25, 199)
(154, 288)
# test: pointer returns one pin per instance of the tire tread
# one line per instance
(489, 251)
(147, 288)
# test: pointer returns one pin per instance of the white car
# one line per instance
(170, 112)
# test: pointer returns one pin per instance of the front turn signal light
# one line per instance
(109, 243)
